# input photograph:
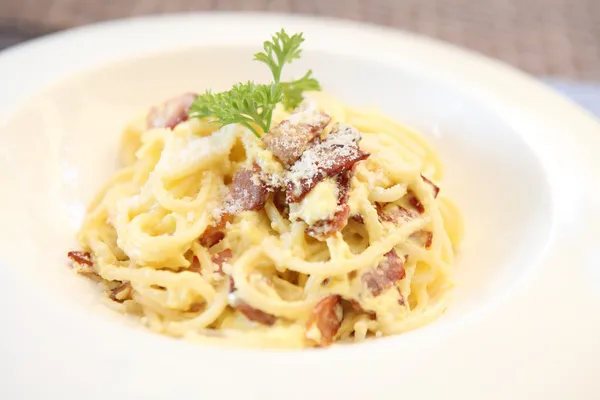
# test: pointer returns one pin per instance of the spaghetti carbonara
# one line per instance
(327, 229)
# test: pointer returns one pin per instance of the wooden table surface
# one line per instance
(556, 38)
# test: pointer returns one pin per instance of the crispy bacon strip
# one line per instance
(195, 266)
(219, 258)
(401, 300)
(213, 234)
(121, 293)
(386, 274)
(434, 187)
(280, 203)
(357, 308)
(171, 112)
(323, 229)
(394, 213)
(253, 314)
(256, 315)
(423, 238)
(344, 182)
(355, 305)
(222, 257)
(288, 140)
(81, 258)
(327, 316)
(337, 153)
(196, 307)
(358, 218)
(81, 261)
(416, 203)
(248, 192)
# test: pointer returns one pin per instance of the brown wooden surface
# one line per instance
(544, 37)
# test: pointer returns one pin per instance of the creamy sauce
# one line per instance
(319, 204)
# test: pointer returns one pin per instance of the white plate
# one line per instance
(522, 163)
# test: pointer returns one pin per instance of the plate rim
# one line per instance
(488, 88)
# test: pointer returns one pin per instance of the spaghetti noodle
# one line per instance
(328, 229)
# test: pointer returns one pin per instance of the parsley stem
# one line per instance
(247, 125)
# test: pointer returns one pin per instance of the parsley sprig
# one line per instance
(293, 91)
(252, 104)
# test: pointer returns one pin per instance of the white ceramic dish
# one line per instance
(521, 162)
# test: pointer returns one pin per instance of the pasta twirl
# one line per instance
(205, 235)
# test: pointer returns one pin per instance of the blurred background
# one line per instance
(555, 40)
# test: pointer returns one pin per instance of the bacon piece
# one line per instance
(327, 316)
(344, 183)
(401, 300)
(415, 203)
(121, 292)
(218, 258)
(358, 218)
(434, 188)
(280, 203)
(171, 112)
(222, 257)
(213, 234)
(423, 238)
(81, 258)
(195, 266)
(388, 271)
(196, 307)
(256, 315)
(357, 308)
(394, 213)
(355, 305)
(337, 153)
(253, 314)
(325, 228)
(82, 263)
(248, 192)
(288, 140)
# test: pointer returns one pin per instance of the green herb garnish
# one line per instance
(292, 91)
(252, 104)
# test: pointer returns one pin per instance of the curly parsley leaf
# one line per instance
(251, 104)
(247, 103)
(293, 91)
(281, 50)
